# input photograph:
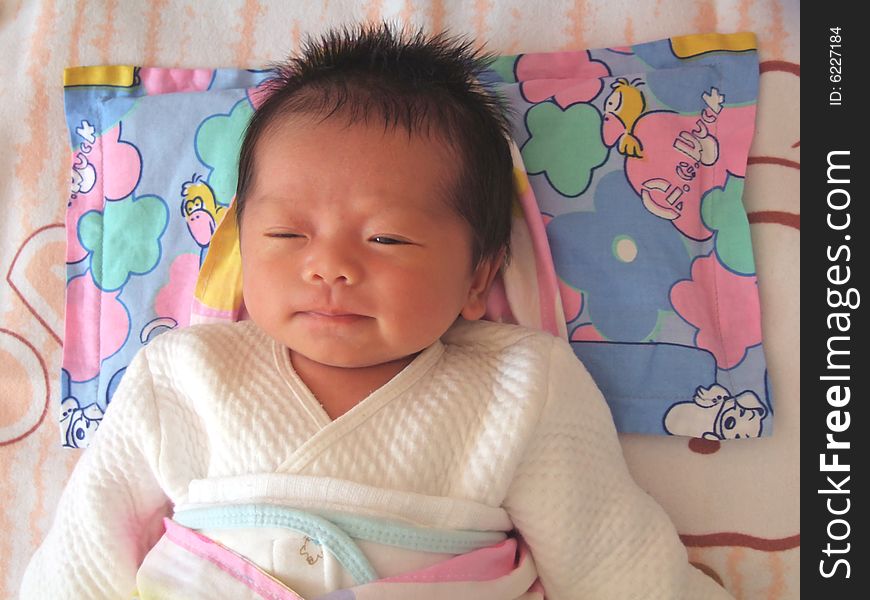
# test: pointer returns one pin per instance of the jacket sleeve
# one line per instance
(110, 513)
(593, 533)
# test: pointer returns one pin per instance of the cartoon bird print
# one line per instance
(200, 210)
(622, 109)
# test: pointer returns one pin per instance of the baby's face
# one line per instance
(350, 254)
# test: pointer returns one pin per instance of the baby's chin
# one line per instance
(349, 359)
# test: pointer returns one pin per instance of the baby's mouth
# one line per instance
(329, 316)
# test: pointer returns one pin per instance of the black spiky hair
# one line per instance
(427, 85)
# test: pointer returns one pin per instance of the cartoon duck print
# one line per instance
(200, 210)
(715, 414)
(78, 424)
(622, 109)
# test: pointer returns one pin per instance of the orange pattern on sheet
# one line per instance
(104, 34)
(155, 25)
(249, 17)
(32, 155)
(775, 216)
(742, 540)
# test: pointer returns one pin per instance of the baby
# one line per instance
(364, 430)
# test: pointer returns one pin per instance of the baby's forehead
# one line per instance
(303, 155)
(428, 205)
(427, 132)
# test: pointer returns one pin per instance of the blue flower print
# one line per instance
(623, 258)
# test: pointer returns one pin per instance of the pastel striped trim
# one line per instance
(550, 305)
(485, 564)
(209, 314)
(380, 531)
(227, 561)
(323, 532)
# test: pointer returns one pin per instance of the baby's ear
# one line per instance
(481, 282)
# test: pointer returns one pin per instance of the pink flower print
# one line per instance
(669, 181)
(587, 333)
(723, 306)
(97, 325)
(572, 301)
(90, 188)
(174, 299)
(570, 77)
(169, 81)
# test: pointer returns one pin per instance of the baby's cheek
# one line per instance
(258, 295)
(413, 297)
(428, 315)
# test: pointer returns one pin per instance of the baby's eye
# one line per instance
(386, 240)
(284, 234)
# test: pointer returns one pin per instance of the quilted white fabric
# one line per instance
(492, 414)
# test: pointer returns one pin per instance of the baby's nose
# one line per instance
(332, 265)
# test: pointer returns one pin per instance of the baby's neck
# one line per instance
(339, 389)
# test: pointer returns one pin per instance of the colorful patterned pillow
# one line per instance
(634, 157)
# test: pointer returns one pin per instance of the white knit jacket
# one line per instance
(492, 416)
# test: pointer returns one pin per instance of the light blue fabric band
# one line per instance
(392, 533)
(317, 528)
(335, 530)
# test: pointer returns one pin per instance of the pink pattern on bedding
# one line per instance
(229, 562)
(175, 298)
(734, 299)
(568, 76)
(481, 565)
(167, 81)
(681, 160)
(87, 345)
(126, 165)
(90, 184)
